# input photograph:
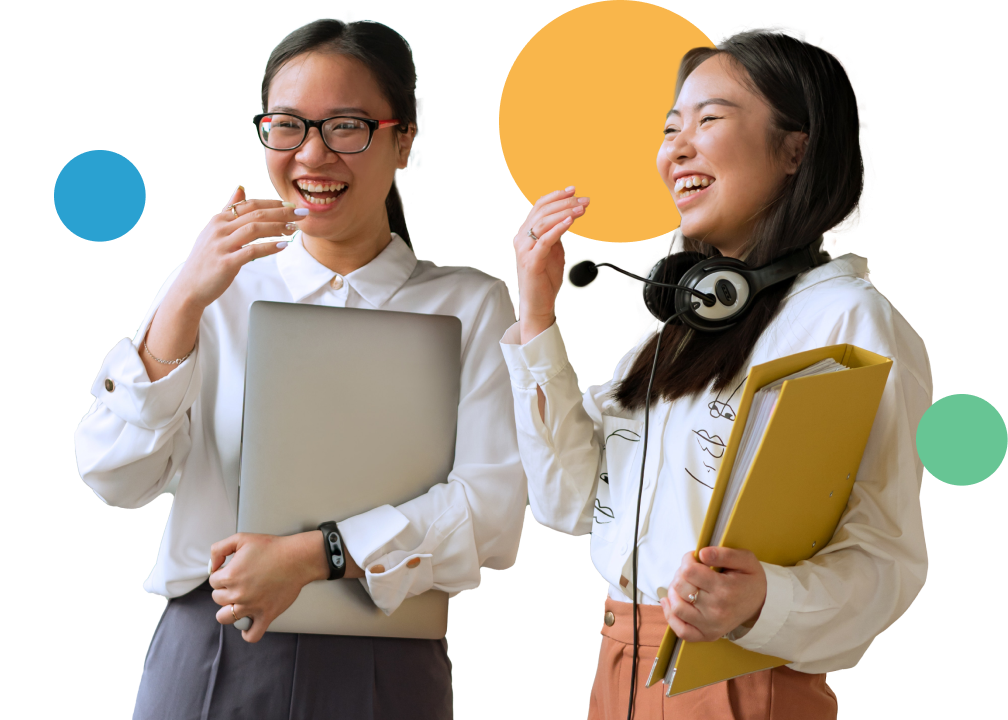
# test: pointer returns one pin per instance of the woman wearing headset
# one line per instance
(761, 155)
(340, 117)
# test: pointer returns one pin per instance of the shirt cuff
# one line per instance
(365, 534)
(394, 576)
(122, 385)
(536, 362)
(776, 608)
(511, 345)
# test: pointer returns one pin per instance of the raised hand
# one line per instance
(541, 259)
(224, 245)
(219, 253)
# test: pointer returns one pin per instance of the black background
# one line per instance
(529, 632)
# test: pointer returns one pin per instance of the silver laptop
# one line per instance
(346, 410)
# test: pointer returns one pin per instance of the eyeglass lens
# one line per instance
(285, 132)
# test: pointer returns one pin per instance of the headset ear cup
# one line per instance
(660, 301)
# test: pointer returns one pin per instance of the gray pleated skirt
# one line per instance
(198, 669)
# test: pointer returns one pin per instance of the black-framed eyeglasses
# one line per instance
(342, 134)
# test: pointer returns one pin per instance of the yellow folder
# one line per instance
(795, 491)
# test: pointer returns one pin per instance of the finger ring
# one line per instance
(236, 618)
(693, 597)
(233, 207)
(234, 210)
(532, 235)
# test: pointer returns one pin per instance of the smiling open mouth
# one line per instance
(691, 185)
(316, 193)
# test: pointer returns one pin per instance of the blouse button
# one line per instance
(377, 569)
(337, 282)
(109, 384)
(610, 619)
(413, 563)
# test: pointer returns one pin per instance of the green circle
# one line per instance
(962, 439)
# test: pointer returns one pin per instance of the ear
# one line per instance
(404, 141)
(793, 152)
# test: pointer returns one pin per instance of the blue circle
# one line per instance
(100, 195)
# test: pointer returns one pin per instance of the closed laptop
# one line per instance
(346, 410)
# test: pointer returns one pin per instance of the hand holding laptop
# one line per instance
(265, 576)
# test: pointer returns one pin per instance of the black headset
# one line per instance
(709, 294)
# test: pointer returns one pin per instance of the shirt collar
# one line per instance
(376, 282)
(849, 265)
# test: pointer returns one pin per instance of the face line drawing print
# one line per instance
(605, 511)
(717, 407)
(697, 479)
(711, 441)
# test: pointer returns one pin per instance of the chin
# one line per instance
(694, 227)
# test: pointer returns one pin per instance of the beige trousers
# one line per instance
(777, 694)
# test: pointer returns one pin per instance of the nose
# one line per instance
(313, 146)
(681, 148)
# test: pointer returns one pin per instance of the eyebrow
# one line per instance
(700, 105)
(332, 112)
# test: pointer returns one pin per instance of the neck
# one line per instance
(344, 255)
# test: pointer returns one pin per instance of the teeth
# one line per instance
(318, 201)
(684, 185)
(308, 186)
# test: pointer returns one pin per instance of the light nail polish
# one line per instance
(283, 244)
(288, 204)
(301, 212)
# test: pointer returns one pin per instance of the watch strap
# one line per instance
(332, 542)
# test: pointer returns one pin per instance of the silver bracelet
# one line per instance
(177, 361)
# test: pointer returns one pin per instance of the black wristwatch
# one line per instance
(332, 541)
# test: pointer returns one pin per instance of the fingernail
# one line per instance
(569, 189)
(209, 567)
(291, 226)
(584, 200)
(283, 244)
(301, 212)
(568, 220)
(288, 204)
(577, 210)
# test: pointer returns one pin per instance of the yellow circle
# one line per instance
(585, 104)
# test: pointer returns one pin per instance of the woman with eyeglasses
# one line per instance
(761, 154)
(339, 118)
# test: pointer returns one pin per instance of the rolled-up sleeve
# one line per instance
(823, 613)
(135, 437)
(441, 539)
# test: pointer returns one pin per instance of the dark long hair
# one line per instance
(808, 91)
(384, 52)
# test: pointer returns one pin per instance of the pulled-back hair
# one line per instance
(807, 91)
(384, 52)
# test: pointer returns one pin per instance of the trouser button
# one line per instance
(610, 619)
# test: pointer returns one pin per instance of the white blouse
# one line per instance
(182, 433)
(583, 467)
